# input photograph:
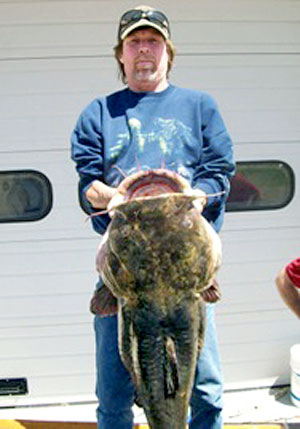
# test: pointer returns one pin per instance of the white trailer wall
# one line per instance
(55, 56)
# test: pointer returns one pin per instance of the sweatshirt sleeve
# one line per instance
(87, 153)
(87, 145)
(217, 164)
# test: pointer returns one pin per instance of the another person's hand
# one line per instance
(288, 291)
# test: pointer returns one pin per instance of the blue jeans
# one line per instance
(116, 393)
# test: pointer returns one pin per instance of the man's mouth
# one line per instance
(144, 62)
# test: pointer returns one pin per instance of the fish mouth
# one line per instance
(152, 183)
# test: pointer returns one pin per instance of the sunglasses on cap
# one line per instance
(130, 18)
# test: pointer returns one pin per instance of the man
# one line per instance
(149, 124)
(288, 285)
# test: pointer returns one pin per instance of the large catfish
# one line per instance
(158, 257)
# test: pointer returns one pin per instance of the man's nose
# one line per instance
(143, 47)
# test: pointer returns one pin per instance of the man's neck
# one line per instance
(148, 86)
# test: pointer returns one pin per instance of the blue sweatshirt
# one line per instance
(178, 129)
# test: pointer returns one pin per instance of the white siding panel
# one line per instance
(36, 11)
(41, 102)
(235, 26)
(16, 322)
(69, 39)
(55, 57)
(259, 95)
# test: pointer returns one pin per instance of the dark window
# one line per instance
(25, 195)
(261, 185)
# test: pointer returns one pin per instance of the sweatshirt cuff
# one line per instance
(210, 186)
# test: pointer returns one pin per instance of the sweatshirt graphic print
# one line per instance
(177, 129)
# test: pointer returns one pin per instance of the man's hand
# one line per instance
(99, 194)
(200, 198)
(213, 293)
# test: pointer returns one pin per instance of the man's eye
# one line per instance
(133, 41)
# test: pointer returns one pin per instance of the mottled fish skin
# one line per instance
(159, 255)
(163, 377)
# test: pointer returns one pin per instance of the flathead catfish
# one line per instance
(158, 257)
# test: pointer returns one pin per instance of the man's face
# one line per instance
(145, 60)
